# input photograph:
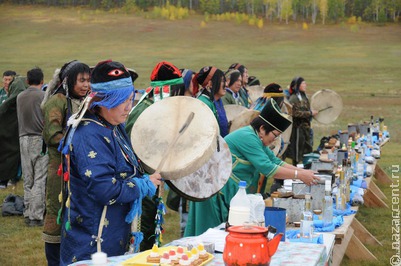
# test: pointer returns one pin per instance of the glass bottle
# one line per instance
(340, 196)
(360, 166)
(307, 219)
(353, 157)
(348, 180)
(327, 205)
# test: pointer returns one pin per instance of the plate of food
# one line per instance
(171, 255)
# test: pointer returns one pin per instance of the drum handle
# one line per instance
(171, 145)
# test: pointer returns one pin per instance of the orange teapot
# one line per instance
(248, 245)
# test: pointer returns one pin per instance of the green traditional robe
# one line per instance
(250, 158)
(9, 145)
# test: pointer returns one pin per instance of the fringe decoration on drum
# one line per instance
(161, 211)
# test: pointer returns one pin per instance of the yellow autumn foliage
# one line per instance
(260, 23)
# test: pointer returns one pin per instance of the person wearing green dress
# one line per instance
(212, 82)
(243, 92)
(234, 83)
(165, 81)
(250, 157)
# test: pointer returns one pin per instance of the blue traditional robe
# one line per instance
(100, 174)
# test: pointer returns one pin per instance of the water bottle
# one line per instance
(240, 206)
(327, 205)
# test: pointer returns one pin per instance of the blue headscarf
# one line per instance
(112, 82)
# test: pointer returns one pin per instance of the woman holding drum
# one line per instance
(103, 181)
(301, 141)
(250, 157)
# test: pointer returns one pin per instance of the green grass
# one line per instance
(361, 63)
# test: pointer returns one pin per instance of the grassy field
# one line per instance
(361, 62)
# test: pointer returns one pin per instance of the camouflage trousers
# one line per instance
(34, 171)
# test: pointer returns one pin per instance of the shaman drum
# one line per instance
(286, 135)
(207, 180)
(328, 104)
(159, 125)
(275, 146)
(255, 92)
(280, 145)
(239, 116)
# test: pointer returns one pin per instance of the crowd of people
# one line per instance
(69, 140)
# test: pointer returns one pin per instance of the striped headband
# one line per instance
(209, 76)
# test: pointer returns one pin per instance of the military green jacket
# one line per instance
(55, 121)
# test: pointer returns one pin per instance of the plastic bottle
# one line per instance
(240, 206)
(307, 219)
(327, 205)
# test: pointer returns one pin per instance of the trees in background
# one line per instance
(274, 10)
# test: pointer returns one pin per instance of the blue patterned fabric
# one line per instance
(100, 174)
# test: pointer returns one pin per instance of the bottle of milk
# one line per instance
(240, 206)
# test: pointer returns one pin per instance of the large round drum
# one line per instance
(239, 116)
(286, 135)
(207, 180)
(328, 104)
(160, 124)
(275, 146)
(284, 138)
(255, 92)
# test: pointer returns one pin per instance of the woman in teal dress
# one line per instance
(251, 157)
(212, 82)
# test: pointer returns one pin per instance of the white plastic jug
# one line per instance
(240, 206)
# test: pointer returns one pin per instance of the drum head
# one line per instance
(255, 92)
(239, 116)
(284, 137)
(159, 125)
(207, 180)
(328, 103)
(276, 145)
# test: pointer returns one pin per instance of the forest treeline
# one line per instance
(311, 11)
